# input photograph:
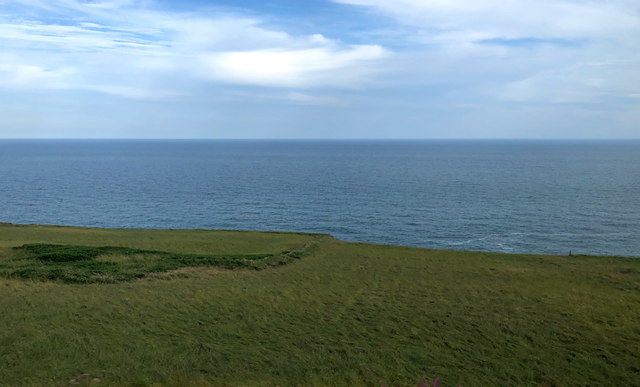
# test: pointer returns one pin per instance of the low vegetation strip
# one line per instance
(111, 264)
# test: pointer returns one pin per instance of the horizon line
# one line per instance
(304, 139)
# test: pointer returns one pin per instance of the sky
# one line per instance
(320, 69)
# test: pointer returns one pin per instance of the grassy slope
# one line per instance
(349, 314)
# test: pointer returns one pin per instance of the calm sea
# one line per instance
(507, 196)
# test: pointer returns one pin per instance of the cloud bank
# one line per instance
(543, 51)
(128, 48)
(358, 68)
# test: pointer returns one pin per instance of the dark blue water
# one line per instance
(509, 196)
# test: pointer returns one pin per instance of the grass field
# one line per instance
(326, 312)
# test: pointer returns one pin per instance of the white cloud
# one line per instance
(132, 92)
(513, 18)
(450, 59)
(69, 38)
(312, 100)
(545, 50)
(290, 98)
(14, 74)
(582, 83)
(128, 48)
(294, 68)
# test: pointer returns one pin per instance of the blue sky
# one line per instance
(319, 69)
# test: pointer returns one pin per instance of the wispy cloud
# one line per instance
(129, 48)
(382, 68)
(513, 19)
(528, 42)
(542, 50)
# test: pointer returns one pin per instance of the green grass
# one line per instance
(108, 264)
(344, 314)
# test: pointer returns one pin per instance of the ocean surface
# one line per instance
(506, 196)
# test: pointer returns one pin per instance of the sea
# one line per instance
(538, 197)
